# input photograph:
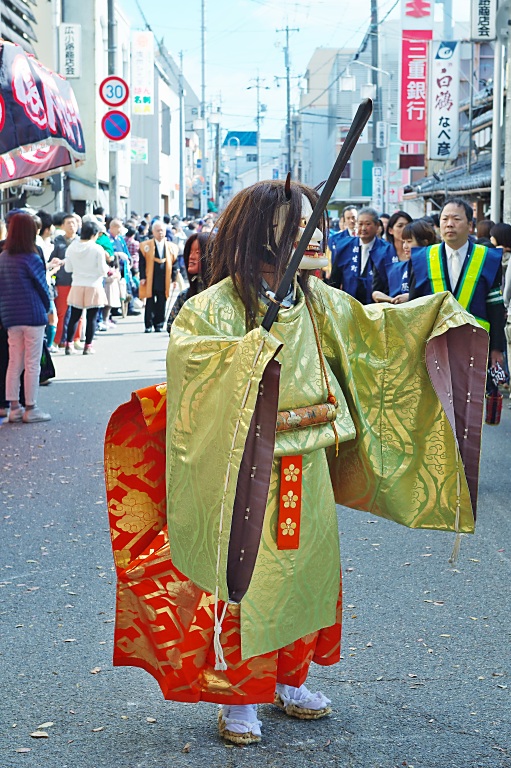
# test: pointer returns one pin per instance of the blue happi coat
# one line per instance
(346, 263)
(397, 275)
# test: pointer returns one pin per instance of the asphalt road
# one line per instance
(425, 675)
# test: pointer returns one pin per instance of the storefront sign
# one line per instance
(483, 13)
(70, 50)
(142, 73)
(414, 81)
(382, 134)
(139, 150)
(417, 14)
(443, 114)
(377, 195)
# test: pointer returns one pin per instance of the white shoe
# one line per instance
(35, 414)
(239, 724)
(301, 703)
(16, 414)
(78, 345)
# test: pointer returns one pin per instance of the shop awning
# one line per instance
(40, 128)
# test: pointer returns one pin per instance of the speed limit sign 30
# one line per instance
(114, 91)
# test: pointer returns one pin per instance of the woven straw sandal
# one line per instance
(296, 707)
(253, 729)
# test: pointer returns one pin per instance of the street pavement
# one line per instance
(424, 681)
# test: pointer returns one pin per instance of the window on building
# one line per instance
(165, 128)
(251, 158)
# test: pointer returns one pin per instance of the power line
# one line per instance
(362, 47)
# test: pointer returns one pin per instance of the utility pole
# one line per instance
(287, 30)
(496, 137)
(217, 160)
(257, 80)
(507, 140)
(377, 115)
(113, 166)
(204, 191)
(471, 106)
(182, 190)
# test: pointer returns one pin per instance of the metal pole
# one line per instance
(471, 107)
(448, 26)
(217, 165)
(496, 142)
(507, 158)
(113, 188)
(287, 62)
(374, 77)
(258, 86)
(58, 18)
(387, 152)
(288, 100)
(258, 123)
(204, 191)
(182, 190)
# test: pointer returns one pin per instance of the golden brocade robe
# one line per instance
(410, 384)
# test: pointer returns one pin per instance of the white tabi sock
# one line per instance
(301, 697)
(241, 719)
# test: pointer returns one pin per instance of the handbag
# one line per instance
(47, 368)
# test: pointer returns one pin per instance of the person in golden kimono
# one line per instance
(229, 578)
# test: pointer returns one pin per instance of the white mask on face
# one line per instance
(313, 258)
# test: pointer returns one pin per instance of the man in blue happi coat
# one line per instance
(354, 259)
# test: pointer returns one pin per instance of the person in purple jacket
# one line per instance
(24, 305)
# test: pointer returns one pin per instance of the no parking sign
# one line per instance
(115, 125)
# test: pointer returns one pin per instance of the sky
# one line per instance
(242, 43)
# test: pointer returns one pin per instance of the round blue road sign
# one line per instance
(115, 125)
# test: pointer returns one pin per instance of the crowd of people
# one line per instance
(66, 279)
(382, 258)
(98, 269)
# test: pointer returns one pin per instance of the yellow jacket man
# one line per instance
(158, 269)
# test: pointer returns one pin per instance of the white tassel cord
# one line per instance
(220, 663)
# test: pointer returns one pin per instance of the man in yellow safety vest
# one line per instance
(471, 272)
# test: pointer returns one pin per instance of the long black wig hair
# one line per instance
(245, 243)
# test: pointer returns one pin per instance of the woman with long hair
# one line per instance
(24, 306)
(195, 256)
(87, 261)
(397, 223)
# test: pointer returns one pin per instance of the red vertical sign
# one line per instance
(414, 83)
